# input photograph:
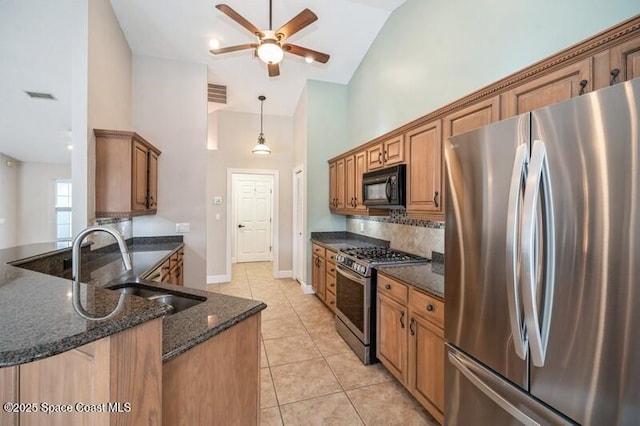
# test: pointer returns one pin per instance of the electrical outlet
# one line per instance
(183, 227)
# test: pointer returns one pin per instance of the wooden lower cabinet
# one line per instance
(330, 280)
(392, 347)
(216, 382)
(323, 274)
(410, 341)
(426, 361)
(124, 368)
(318, 277)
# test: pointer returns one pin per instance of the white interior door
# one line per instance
(298, 226)
(253, 194)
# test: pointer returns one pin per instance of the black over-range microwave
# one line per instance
(384, 188)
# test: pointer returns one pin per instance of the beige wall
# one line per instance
(237, 135)
(101, 94)
(9, 201)
(37, 200)
(170, 111)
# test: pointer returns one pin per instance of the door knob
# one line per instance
(240, 226)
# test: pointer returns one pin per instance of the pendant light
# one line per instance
(261, 147)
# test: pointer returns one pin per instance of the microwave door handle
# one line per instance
(387, 189)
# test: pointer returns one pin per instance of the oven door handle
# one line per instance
(347, 273)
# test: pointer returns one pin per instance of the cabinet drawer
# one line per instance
(330, 255)
(427, 307)
(331, 283)
(318, 250)
(331, 301)
(393, 289)
(331, 269)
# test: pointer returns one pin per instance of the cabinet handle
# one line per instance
(614, 76)
(430, 308)
(380, 157)
(386, 155)
(152, 202)
(402, 319)
(435, 199)
(388, 286)
(355, 201)
(411, 329)
(583, 85)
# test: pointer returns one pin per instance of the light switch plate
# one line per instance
(183, 227)
(217, 200)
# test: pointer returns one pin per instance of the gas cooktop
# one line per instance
(362, 259)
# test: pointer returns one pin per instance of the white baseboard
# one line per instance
(215, 279)
(284, 274)
(306, 289)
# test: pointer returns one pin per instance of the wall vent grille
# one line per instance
(40, 95)
(217, 93)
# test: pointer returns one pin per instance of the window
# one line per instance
(63, 211)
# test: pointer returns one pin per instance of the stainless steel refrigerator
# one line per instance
(542, 269)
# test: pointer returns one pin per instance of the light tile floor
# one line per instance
(309, 374)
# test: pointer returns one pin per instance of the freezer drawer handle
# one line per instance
(513, 295)
(490, 393)
(539, 177)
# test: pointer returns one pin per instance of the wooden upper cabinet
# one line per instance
(425, 171)
(340, 184)
(386, 153)
(562, 84)
(126, 174)
(355, 166)
(333, 186)
(626, 59)
(472, 117)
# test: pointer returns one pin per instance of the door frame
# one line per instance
(299, 256)
(275, 216)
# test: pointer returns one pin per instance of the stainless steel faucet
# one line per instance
(75, 270)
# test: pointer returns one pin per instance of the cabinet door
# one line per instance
(392, 336)
(426, 358)
(360, 169)
(626, 59)
(424, 169)
(322, 279)
(139, 177)
(153, 181)
(350, 182)
(333, 179)
(472, 117)
(340, 185)
(393, 151)
(375, 155)
(565, 83)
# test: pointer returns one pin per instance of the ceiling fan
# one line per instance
(270, 46)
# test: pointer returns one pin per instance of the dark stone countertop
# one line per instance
(38, 319)
(428, 277)
(342, 239)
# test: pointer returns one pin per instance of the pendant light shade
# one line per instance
(261, 147)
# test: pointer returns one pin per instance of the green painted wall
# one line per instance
(430, 53)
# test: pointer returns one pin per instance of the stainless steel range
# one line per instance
(356, 294)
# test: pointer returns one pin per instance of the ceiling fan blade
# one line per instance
(298, 22)
(239, 19)
(233, 48)
(306, 53)
(274, 70)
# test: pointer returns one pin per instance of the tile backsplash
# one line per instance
(415, 236)
(101, 239)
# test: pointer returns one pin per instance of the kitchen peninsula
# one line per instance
(161, 365)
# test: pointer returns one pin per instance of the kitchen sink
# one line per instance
(177, 300)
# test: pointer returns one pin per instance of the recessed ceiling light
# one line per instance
(40, 95)
(214, 43)
(309, 59)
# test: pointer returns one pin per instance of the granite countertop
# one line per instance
(344, 239)
(427, 277)
(39, 321)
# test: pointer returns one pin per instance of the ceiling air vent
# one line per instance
(217, 93)
(40, 95)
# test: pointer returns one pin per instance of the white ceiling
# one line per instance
(35, 52)
(170, 29)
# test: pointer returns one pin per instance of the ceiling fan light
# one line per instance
(270, 52)
(308, 59)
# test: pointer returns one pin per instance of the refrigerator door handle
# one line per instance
(538, 333)
(503, 403)
(513, 295)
